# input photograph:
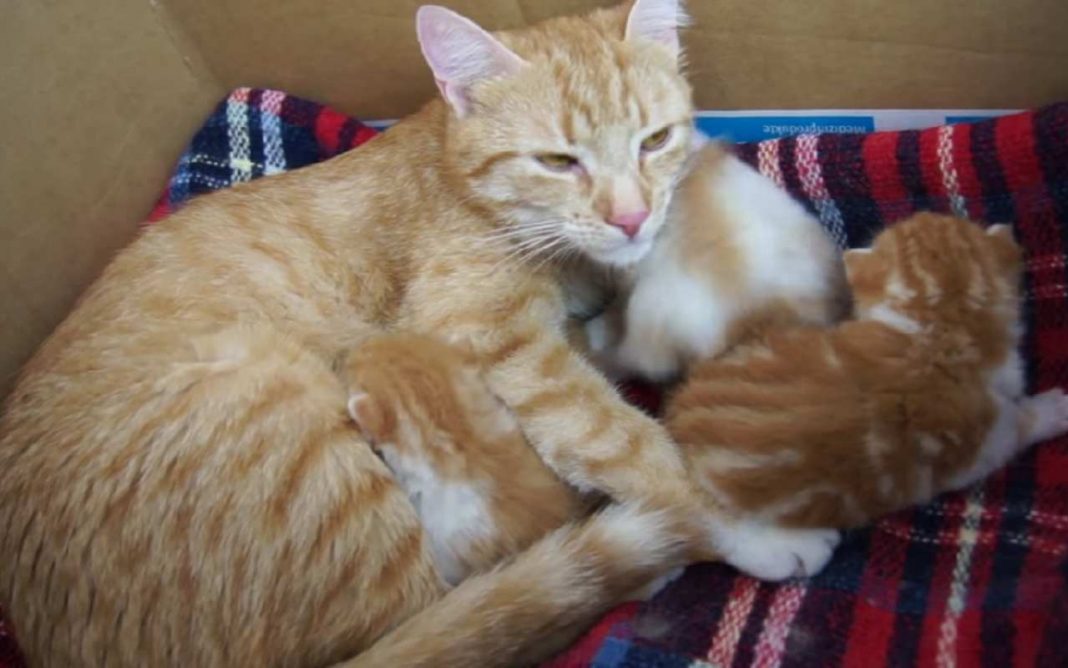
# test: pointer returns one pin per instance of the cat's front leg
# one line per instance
(584, 430)
(579, 424)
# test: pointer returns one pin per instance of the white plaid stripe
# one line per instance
(237, 134)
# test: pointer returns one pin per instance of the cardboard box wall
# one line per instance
(99, 96)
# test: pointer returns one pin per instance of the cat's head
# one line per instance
(933, 265)
(572, 131)
(420, 397)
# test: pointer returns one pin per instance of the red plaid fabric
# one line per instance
(973, 579)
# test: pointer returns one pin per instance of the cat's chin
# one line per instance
(624, 255)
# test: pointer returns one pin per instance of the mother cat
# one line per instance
(179, 484)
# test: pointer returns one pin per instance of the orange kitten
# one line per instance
(922, 393)
(481, 491)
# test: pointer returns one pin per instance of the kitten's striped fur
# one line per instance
(922, 393)
(179, 480)
(481, 491)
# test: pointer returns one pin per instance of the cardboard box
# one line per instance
(99, 97)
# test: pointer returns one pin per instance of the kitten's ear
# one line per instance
(862, 266)
(854, 259)
(1008, 251)
(1002, 230)
(367, 415)
(460, 54)
(657, 20)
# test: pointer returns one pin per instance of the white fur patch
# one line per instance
(888, 316)
(775, 233)
(1001, 442)
(1005, 438)
(625, 252)
(676, 314)
(599, 335)
(1008, 379)
(637, 536)
(671, 315)
(772, 553)
(454, 514)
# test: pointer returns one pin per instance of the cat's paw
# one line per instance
(773, 553)
(656, 586)
(1048, 415)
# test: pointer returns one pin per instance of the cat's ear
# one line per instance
(367, 415)
(460, 54)
(658, 21)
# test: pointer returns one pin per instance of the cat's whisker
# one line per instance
(510, 246)
(544, 253)
(524, 232)
(559, 249)
(534, 241)
(525, 228)
(525, 252)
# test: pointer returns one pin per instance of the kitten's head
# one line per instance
(932, 266)
(419, 396)
(574, 130)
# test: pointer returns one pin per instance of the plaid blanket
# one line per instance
(978, 578)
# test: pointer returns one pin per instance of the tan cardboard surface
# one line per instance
(361, 55)
(98, 102)
(99, 97)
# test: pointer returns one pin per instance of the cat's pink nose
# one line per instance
(630, 223)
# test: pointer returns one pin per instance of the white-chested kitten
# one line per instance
(736, 250)
(482, 493)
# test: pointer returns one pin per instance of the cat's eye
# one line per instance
(656, 140)
(557, 162)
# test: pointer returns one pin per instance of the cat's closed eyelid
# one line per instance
(557, 162)
(656, 140)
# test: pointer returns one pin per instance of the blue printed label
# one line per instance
(756, 128)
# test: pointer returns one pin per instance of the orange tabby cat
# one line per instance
(481, 492)
(922, 393)
(180, 483)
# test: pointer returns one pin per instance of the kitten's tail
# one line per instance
(532, 607)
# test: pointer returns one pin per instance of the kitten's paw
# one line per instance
(656, 586)
(773, 554)
(599, 334)
(1048, 415)
(656, 362)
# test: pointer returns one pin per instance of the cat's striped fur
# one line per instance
(179, 480)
